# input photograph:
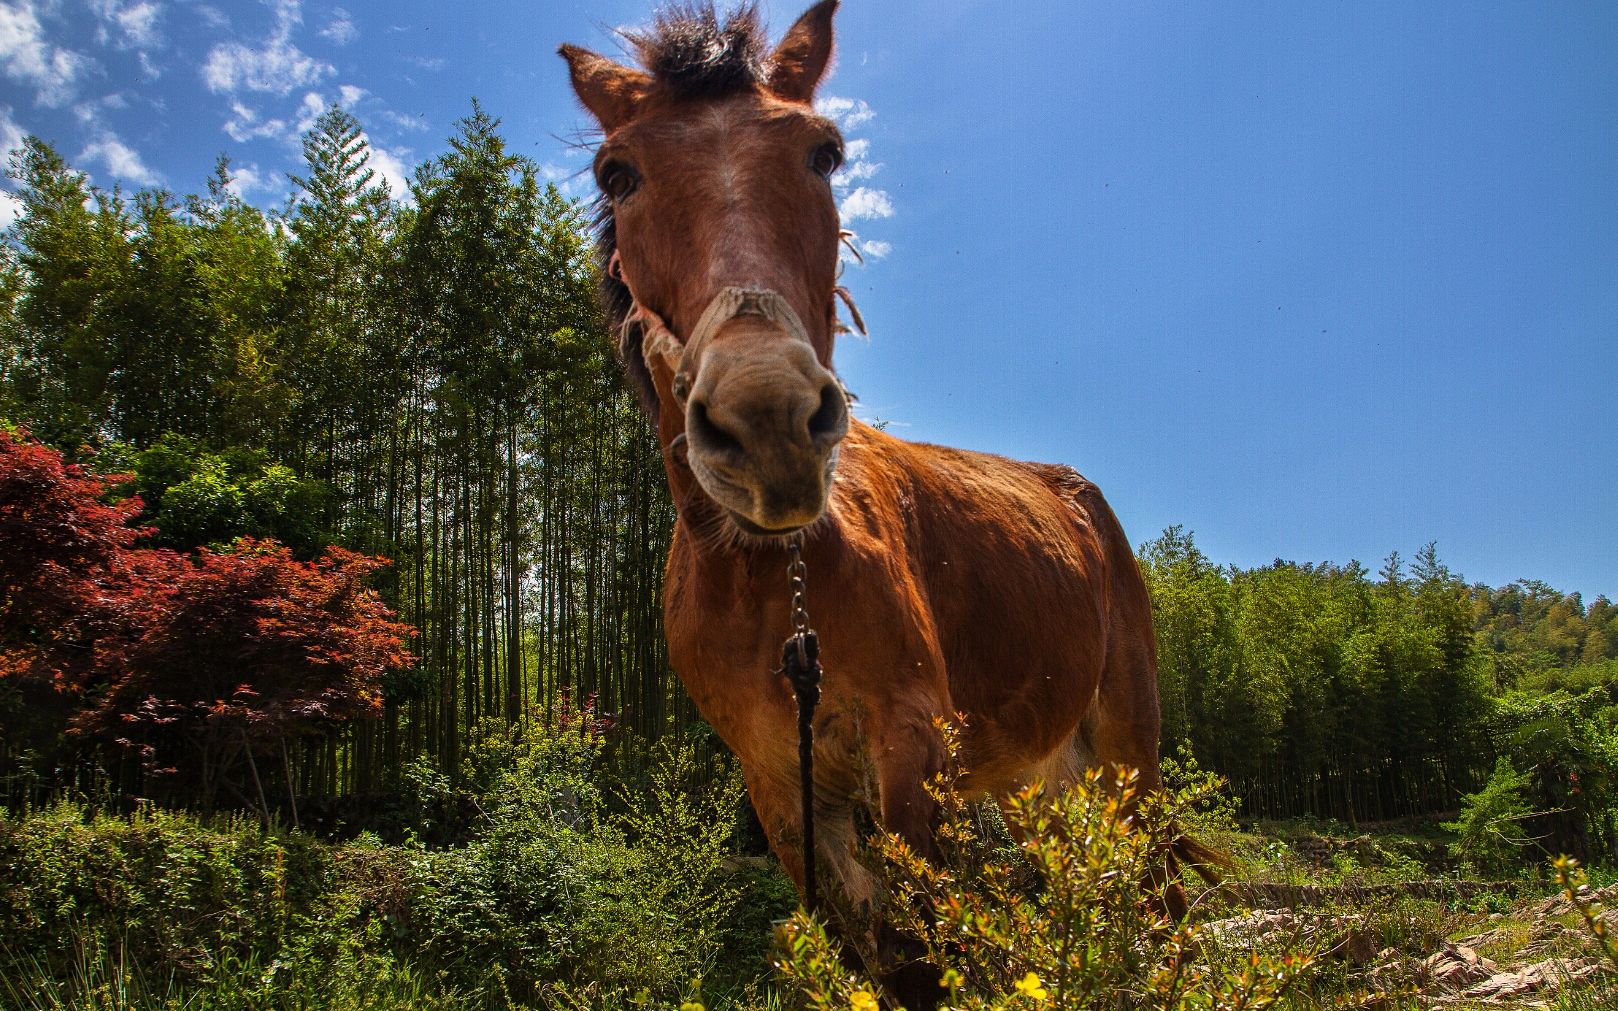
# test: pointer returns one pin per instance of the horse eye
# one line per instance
(617, 180)
(826, 159)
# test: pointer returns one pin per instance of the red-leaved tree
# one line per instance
(230, 652)
(193, 663)
(60, 540)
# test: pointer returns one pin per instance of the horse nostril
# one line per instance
(707, 436)
(831, 417)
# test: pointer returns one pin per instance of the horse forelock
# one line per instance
(690, 51)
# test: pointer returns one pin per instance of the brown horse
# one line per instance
(941, 581)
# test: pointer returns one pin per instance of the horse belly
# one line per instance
(1025, 689)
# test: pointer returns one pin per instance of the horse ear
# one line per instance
(609, 90)
(801, 59)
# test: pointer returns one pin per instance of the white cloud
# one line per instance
(119, 159)
(569, 179)
(277, 65)
(244, 124)
(392, 169)
(28, 58)
(853, 171)
(309, 110)
(865, 202)
(350, 95)
(88, 112)
(11, 135)
(847, 113)
(341, 28)
(212, 16)
(857, 202)
(10, 208)
(135, 24)
(248, 178)
(404, 122)
(857, 164)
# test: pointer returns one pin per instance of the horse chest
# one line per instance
(728, 657)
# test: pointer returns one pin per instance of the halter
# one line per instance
(657, 337)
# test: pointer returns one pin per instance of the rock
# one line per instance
(1358, 947)
(1558, 905)
(1339, 936)
(1550, 974)
(1258, 926)
(1485, 939)
(1456, 967)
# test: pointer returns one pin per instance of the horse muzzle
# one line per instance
(763, 417)
(763, 422)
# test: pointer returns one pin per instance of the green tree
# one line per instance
(72, 249)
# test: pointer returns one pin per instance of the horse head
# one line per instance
(721, 252)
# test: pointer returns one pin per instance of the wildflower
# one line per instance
(692, 1005)
(862, 1000)
(1029, 986)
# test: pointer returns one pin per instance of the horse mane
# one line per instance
(616, 301)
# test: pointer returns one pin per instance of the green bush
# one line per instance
(1493, 839)
(194, 497)
(166, 885)
(564, 895)
(561, 886)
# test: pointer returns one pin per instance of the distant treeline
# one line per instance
(1322, 689)
(429, 380)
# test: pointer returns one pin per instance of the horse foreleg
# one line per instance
(906, 755)
(778, 802)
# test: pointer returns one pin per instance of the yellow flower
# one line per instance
(692, 1005)
(1030, 987)
(862, 1000)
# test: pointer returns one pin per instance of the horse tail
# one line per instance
(1209, 863)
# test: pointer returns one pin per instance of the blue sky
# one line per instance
(1317, 280)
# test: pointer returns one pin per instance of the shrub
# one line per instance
(1065, 919)
(195, 497)
(166, 886)
(1493, 838)
(560, 887)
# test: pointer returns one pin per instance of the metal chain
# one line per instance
(798, 581)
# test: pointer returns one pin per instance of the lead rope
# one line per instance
(800, 661)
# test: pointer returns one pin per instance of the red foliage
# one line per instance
(59, 540)
(218, 650)
(247, 641)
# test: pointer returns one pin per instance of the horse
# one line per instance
(942, 581)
